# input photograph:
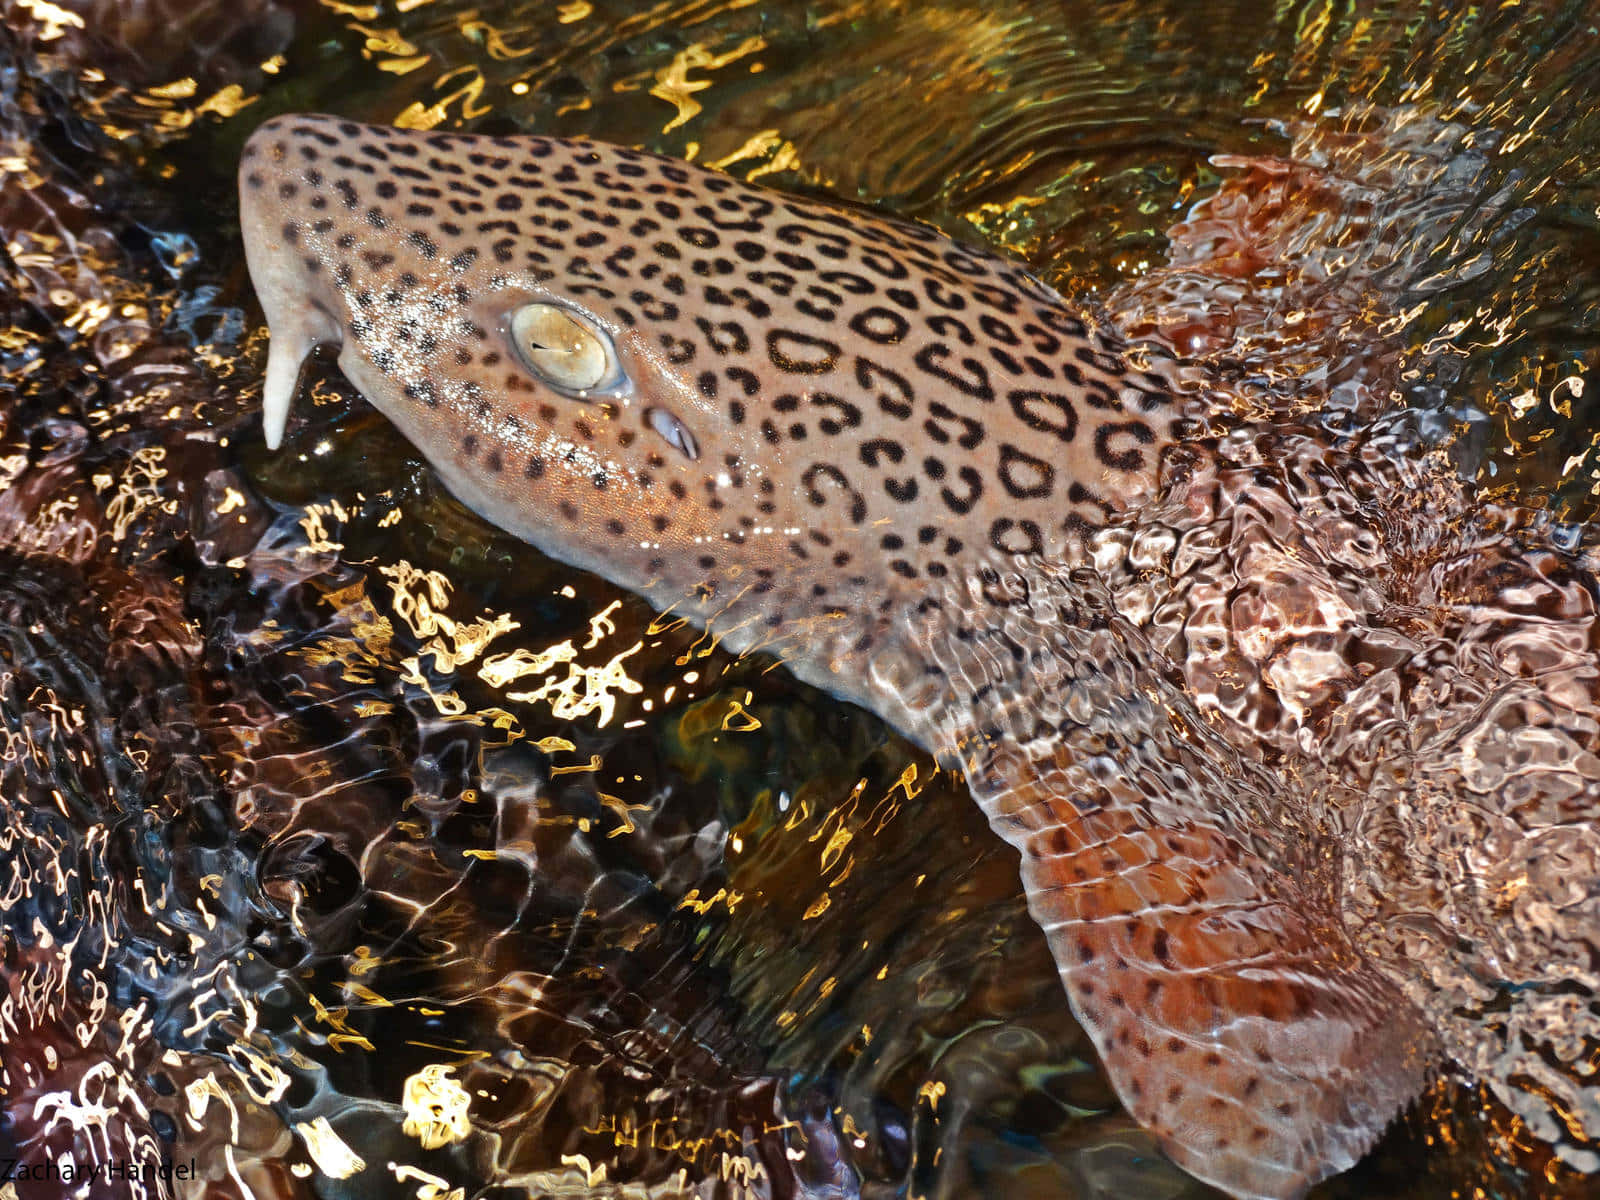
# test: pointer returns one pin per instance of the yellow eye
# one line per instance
(562, 348)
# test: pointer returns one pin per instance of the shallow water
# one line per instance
(324, 801)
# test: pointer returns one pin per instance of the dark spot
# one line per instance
(725, 337)
(1059, 417)
(881, 325)
(972, 381)
(1130, 459)
(962, 504)
(799, 353)
(940, 414)
(1010, 536)
(1025, 476)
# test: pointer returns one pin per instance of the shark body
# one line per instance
(894, 460)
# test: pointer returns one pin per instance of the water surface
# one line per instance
(338, 826)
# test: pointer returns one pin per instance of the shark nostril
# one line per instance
(673, 431)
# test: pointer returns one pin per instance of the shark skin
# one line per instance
(896, 462)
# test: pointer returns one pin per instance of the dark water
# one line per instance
(338, 825)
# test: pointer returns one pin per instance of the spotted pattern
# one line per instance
(909, 372)
(817, 419)
(846, 438)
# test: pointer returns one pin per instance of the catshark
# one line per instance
(893, 460)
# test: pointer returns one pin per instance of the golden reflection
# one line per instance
(780, 154)
(436, 1108)
(420, 116)
(333, 1157)
(136, 491)
(404, 66)
(54, 19)
(392, 52)
(723, 896)
(180, 89)
(675, 87)
(591, 1174)
(493, 40)
(361, 12)
(739, 719)
(430, 1186)
(1008, 162)
(383, 42)
(694, 1148)
(568, 686)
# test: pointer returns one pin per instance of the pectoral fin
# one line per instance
(1245, 1033)
(1187, 895)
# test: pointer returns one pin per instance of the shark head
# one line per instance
(774, 416)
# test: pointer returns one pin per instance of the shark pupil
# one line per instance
(562, 348)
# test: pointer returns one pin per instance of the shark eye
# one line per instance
(562, 348)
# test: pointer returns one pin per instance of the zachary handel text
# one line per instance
(19, 1171)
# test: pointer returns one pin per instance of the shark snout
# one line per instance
(280, 219)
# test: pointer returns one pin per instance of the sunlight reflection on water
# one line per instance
(328, 809)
